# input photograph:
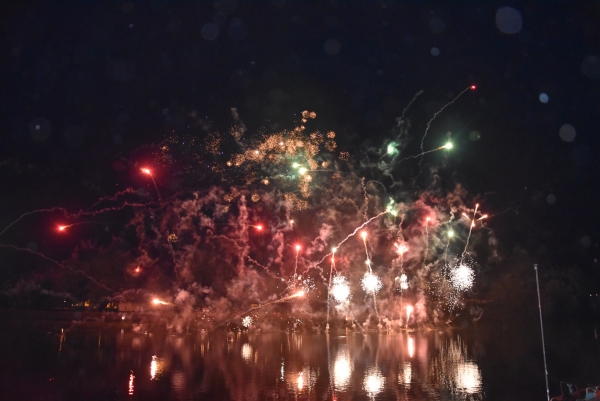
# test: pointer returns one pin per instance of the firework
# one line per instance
(340, 290)
(247, 321)
(148, 172)
(462, 277)
(371, 283)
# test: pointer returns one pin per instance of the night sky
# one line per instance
(90, 90)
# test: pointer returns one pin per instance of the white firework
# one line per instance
(340, 290)
(371, 283)
(247, 321)
(403, 282)
(462, 277)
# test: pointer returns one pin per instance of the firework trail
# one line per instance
(99, 284)
(353, 233)
(472, 221)
(472, 87)
(148, 172)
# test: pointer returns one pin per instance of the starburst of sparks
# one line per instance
(371, 283)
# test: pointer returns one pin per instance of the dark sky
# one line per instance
(88, 87)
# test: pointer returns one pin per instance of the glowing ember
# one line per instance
(462, 277)
(146, 171)
(298, 247)
(62, 228)
(157, 301)
(340, 289)
(363, 234)
(371, 283)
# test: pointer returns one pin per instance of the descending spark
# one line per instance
(148, 172)
(462, 277)
(473, 220)
(157, 301)
(409, 310)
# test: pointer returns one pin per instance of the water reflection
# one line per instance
(342, 370)
(420, 365)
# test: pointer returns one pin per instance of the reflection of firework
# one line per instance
(371, 283)
(462, 277)
(342, 369)
(340, 290)
(373, 382)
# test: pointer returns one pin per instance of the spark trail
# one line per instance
(471, 227)
(472, 87)
(99, 284)
(353, 233)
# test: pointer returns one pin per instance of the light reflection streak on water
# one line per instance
(131, 377)
(405, 375)
(421, 362)
(373, 382)
(411, 347)
(156, 367)
(247, 352)
(342, 370)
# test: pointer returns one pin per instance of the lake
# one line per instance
(82, 361)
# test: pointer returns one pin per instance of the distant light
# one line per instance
(450, 234)
(391, 149)
(333, 250)
(295, 165)
(302, 170)
(448, 145)
(363, 234)
(473, 87)
(298, 247)
(157, 301)
(61, 228)
(259, 228)
(544, 98)
(146, 171)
